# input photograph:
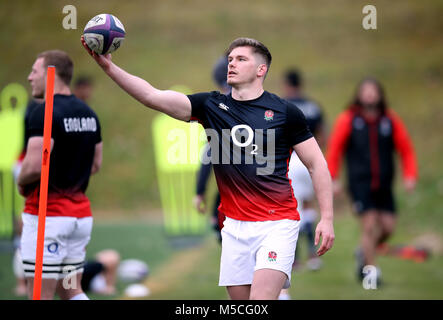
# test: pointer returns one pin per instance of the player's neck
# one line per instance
(61, 88)
(246, 93)
(371, 111)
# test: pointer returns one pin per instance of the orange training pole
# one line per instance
(44, 179)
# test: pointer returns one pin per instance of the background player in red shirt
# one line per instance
(368, 133)
(252, 202)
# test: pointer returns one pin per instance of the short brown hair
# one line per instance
(62, 62)
(257, 47)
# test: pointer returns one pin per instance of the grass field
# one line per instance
(336, 280)
(192, 273)
(132, 239)
(176, 42)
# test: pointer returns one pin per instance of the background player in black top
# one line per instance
(249, 61)
(293, 87)
(293, 90)
(219, 76)
(76, 153)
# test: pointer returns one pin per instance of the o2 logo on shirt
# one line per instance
(248, 147)
(237, 145)
(248, 140)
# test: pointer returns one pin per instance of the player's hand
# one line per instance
(409, 185)
(103, 60)
(325, 230)
(199, 203)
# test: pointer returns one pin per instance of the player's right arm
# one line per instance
(32, 163)
(311, 156)
(174, 104)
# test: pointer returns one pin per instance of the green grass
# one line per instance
(192, 273)
(133, 240)
(335, 280)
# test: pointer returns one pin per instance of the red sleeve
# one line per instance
(21, 156)
(338, 141)
(403, 145)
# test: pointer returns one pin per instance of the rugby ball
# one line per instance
(104, 33)
(132, 270)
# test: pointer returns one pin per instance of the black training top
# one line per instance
(76, 131)
(311, 111)
(29, 109)
(251, 143)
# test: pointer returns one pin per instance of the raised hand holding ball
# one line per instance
(104, 33)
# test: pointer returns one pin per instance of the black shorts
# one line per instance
(364, 199)
(90, 270)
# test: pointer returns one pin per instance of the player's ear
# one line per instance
(262, 69)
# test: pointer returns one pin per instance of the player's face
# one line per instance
(369, 94)
(243, 66)
(37, 78)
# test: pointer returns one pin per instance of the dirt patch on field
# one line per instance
(430, 241)
(172, 271)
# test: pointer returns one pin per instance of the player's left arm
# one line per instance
(403, 145)
(32, 163)
(310, 154)
(98, 158)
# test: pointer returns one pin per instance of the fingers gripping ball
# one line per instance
(104, 33)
